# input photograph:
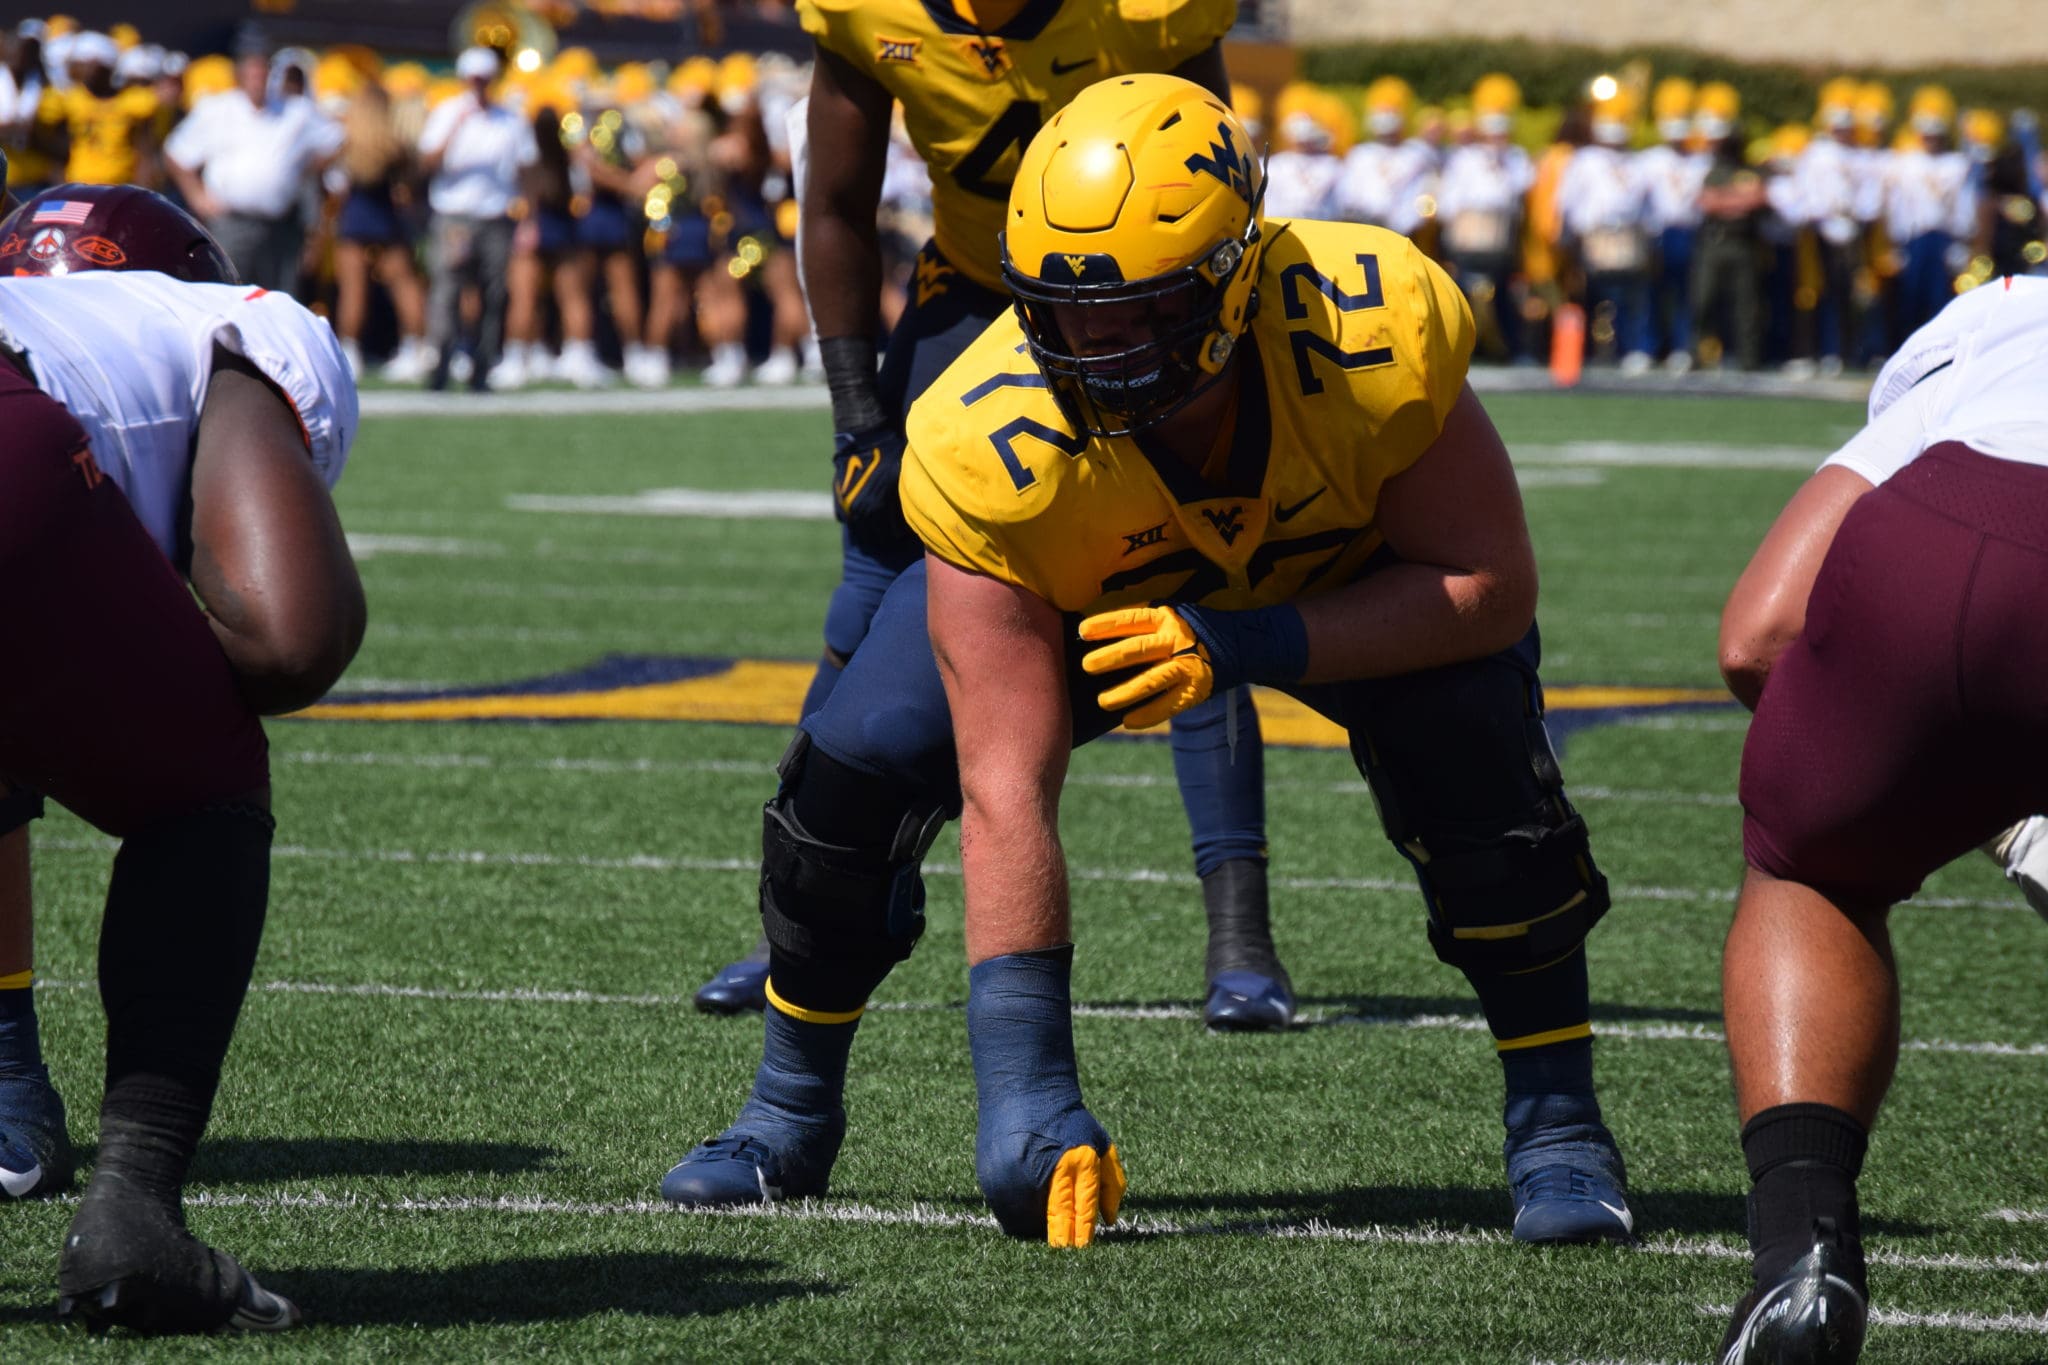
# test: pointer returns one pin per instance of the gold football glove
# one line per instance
(1180, 674)
(1085, 1186)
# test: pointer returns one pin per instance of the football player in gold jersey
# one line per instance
(1208, 449)
(975, 79)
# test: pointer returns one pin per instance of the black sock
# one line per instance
(1234, 896)
(1803, 1163)
(184, 915)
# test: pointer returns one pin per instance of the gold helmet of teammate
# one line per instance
(1139, 203)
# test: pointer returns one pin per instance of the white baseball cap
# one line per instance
(477, 63)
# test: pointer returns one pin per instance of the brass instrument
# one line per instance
(525, 39)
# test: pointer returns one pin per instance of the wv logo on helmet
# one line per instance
(1224, 163)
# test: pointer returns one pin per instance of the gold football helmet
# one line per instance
(1143, 192)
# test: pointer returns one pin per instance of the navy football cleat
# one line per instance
(740, 1168)
(1249, 1002)
(35, 1148)
(1812, 1314)
(739, 986)
(1564, 1172)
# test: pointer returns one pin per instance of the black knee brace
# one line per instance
(1505, 897)
(840, 915)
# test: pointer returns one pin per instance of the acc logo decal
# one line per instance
(990, 52)
(47, 244)
(771, 692)
(902, 51)
(100, 251)
(1228, 524)
(1135, 541)
(1224, 163)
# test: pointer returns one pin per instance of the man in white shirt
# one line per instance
(1601, 198)
(472, 151)
(240, 159)
(1925, 185)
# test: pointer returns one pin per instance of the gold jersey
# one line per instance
(103, 143)
(974, 95)
(1347, 373)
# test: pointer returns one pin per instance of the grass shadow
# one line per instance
(526, 1290)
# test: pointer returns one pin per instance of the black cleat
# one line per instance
(129, 1262)
(1812, 1314)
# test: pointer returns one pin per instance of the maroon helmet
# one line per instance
(110, 227)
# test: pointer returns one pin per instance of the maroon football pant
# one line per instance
(115, 699)
(1909, 721)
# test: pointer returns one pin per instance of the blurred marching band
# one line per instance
(528, 215)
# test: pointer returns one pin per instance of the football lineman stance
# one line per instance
(166, 426)
(1206, 448)
(975, 81)
(1887, 634)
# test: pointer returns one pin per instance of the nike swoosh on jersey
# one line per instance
(1289, 513)
(1060, 68)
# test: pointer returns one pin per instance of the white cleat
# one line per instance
(778, 369)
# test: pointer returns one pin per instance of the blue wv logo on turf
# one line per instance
(1224, 163)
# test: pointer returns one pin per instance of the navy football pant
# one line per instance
(1450, 752)
(1222, 786)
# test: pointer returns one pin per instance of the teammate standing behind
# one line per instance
(1887, 634)
(162, 429)
(976, 81)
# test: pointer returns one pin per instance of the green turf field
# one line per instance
(470, 1057)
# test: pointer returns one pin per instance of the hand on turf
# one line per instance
(1177, 671)
(865, 466)
(1055, 1178)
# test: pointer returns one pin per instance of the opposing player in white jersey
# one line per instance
(169, 433)
(1887, 634)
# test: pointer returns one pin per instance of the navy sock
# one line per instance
(21, 1047)
(1222, 787)
(1524, 1009)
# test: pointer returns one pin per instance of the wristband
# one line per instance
(850, 377)
(1262, 645)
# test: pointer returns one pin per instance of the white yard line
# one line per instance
(1135, 1225)
(1957, 1322)
(1455, 1023)
(1137, 876)
(651, 767)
